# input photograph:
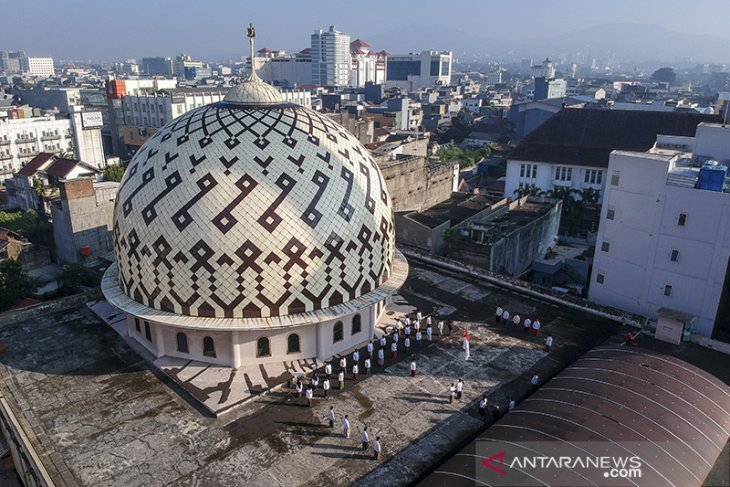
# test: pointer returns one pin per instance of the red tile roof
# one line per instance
(265, 50)
(62, 167)
(35, 164)
(358, 43)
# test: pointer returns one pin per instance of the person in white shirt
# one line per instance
(499, 313)
(356, 357)
(326, 386)
(419, 316)
(511, 404)
(428, 320)
(452, 393)
(407, 344)
(536, 327)
(413, 368)
(383, 341)
(365, 438)
(381, 357)
(408, 330)
(328, 370)
(346, 427)
(367, 366)
(534, 380)
(299, 388)
(516, 319)
(408, 320)
(309, 394)
(441, 327)
(419, 337)
(505, 316)
(395, 338)
(459, 389)
(398, 326)
(341, 379)
(394, 350)
(331, 416)
(355, 370)
(315, 381)
(527, 325)
(370, 349)
(343, 363)
(548, 343)
(376, 448)
(483, 406)
(417, 326)
(429, 333)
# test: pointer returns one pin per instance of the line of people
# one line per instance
(528, 325)
(364, 434)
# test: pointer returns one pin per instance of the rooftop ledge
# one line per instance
(114, 294)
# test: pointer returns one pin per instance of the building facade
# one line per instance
(414, 71)
(663, 243)
(41, 67)
(331, 62)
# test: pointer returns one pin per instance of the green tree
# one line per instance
(523, 191)
(666, 75)
(113, 173)
(15, 284)
(451, 238)
(76, 276)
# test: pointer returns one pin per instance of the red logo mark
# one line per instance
(488, 463)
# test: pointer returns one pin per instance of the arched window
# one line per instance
(356, 324)
(147, 332)
(182, 343)
(262, 347)
(337, 333)
(292, 344)
(208, 347)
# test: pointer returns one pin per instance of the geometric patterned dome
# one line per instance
(245, 210)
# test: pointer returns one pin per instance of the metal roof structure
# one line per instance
(673, 415)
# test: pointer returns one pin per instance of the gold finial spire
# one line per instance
(251, 33)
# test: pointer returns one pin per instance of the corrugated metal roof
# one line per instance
(678, 413)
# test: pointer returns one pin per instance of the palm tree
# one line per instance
(523, 191)
(588, 196)
(450, 238)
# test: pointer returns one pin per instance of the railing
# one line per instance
(5, 157)
(25, 140)
(51, 137)
(4, 142)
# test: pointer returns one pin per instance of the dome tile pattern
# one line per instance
(237, 211)
(253, 91)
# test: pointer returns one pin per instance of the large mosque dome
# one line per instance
(250, 208)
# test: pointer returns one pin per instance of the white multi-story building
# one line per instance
(21, 139)
(285, 69)
(367, 65)
(331, 60)
(424, 70)
(663, 244)
(38, 66)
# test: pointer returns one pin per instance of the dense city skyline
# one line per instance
(214, 30)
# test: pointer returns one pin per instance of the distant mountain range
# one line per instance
(627, 42)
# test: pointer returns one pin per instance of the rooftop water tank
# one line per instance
(712, 176)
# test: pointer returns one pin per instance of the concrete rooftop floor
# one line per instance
(99, 415)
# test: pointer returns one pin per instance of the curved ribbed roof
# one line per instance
(673, 415)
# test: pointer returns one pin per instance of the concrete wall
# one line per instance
(413, 184)
(513, 254)
(82, 217)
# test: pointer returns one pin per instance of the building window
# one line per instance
(600, 278)
(667, 290)
(136, 325)
(356, 324)
(614, 179)
(610, 213)
(263, 348)
(208, 347)
(563, 173)
(182, 343)
(337, 333)
(292, 344)
(675, 256)
(605, 246)
(528, 171)
(593, 176)
(147, 332)
(682, 219)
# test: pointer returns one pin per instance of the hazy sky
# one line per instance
(112, 30)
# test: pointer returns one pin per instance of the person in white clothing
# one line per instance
(548, 343)
(381, 357)
(527, 325)
(331, 416)
(408, 330)
(534, 381)
(413, 368)
(309, 394)
(394, 350)
(428, 320)
(299, 388)
(326, 386)
(511, 404)
(536, 327)
(408, 321)
(356, 356)
(499, 313)
(483, 406)
(383, 341)
(505, 316)
(376, 448)
(365, 438)
(429, 332)
(407, 344)
(343, 363)
(441, 327)
(398, 326)
(417, 326)
(355, 370)
(516, 319)
(370, 349)
(341, 379)
(459, 389)
(419, 316)
(346, 427)
(315, 381)
(328, 370)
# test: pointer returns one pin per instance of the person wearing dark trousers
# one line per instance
(365, 438)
